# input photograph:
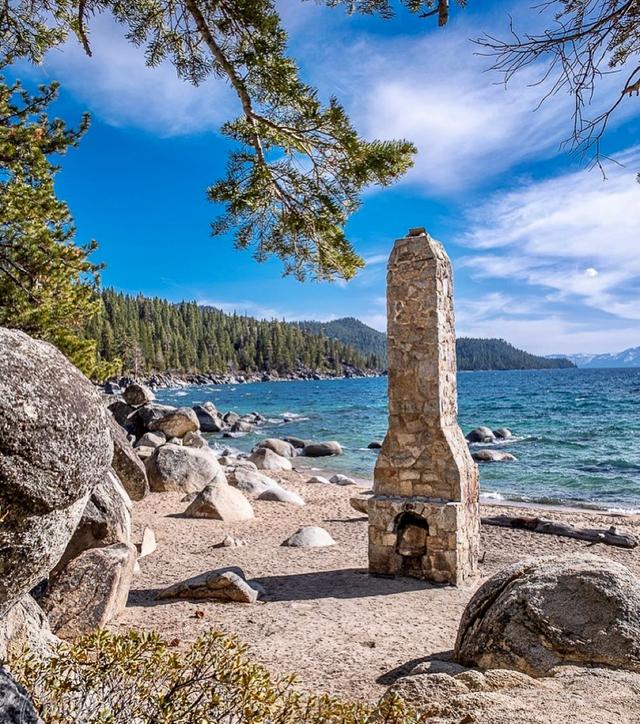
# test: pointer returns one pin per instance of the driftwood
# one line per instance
(610, 536)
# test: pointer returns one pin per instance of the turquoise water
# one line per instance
(577, 431)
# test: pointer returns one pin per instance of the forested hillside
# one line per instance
(473, 353)
(353, 332)
(153, 335)
(497, 354)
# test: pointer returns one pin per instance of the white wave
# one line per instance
(495, 495)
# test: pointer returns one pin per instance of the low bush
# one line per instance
(139, 678)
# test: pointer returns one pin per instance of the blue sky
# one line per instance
(545, 253)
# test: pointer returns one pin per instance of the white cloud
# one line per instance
(116, 85)
(576, 234)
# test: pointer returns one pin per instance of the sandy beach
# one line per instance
(322, 616)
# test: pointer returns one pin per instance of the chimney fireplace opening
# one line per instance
(412, 531)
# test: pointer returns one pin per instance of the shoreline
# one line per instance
(488, 501)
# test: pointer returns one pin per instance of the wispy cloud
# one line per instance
(116, 85)
(576, 235)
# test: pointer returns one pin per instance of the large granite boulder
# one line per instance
(137, 394)
(55, 446)
(126, 463)
(26, 627)
(322, 449)
(542, 612)
(91, 591)
(481, 434)
(15, 705)
(265, 459)
(177, 468)
(209, 417)
(140, 420)
(176, 423)
(251, 481)
(220, 502)
(280, 447)
(225, 584)
(105, 520)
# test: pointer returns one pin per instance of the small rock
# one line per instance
(144, 452)
(265, 459)
(503, 433)
(322, 449)
(136, 395)
(148, 544)
(493, 456)
(225, 584)
(230, 542)
(230, 418)
(242, 426)
(280, 495)
(319, 479)
(310, 536)
(375, 445)
(220, 502)
(340, 479)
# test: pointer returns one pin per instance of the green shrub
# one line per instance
(138, 678)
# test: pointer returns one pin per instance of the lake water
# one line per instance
(577, 431)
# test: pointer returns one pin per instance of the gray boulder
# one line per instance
(322, 449)
(493, 456)
(318, 480)
(15, 705)
(297, 442)
(105, 520)
(481, 434)
(225, 584)
(230, 418)
(137, 394)
(141, 419)
(280, 495)
(91, 591)
(122, 414)
(265, 459)
(375, 445)
(220, 502)
(242, 426)
(340, 479)
(208, 417)
(151, 439)
(178, 468)
(543, 612)
(310, 536)
(55, 447)
(26, 627)
(503, 433)
(195, 439)
(251, 481)
(280, 447)
(176, 423)
(126, 463)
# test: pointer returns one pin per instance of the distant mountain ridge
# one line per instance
(628, 358)
(473, 354)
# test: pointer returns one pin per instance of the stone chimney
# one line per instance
(423, 516)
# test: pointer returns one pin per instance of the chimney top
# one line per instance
(417, 231)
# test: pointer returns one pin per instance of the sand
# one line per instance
(323, 617)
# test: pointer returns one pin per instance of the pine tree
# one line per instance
(47, 283)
